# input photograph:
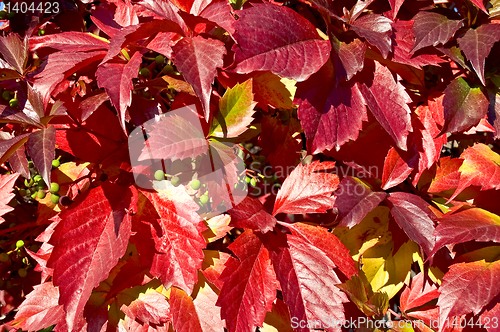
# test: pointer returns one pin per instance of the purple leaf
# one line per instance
(377, 30)
(197, 59)
(330, 114)
(19, 162)
(355, 200)
(387, 100)
(220, 13)
(14, 51)
(275, 38)
(404, 38)
(463, 106)
(433, 29)
(41, 148)
(413, 215)
(348, 58)
(476, 45)
(9, 146)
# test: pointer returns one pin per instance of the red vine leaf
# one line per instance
(197, 59)
(250, 284)
(99, 220)
(308, 189)
(282, 35)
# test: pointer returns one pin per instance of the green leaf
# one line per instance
(236, 110)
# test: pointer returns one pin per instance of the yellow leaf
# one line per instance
(372, 230)
(273, 90)
(374, 261)
(399, 268)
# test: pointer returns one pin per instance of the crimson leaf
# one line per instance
(116, 79)
(328, 243)
(176, 230)
(413, 215)
(197, 59)
(6, 186)
(250, 213)
(69, 42)
(98, 219)
(308, 284)
(308, 189)
(330, 114)
(480, 278)
(387, 100)
(250, 284)
(376, 29)
(471, 224)
(282, 42)
(40, 309)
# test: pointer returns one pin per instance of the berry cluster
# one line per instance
(10, 97)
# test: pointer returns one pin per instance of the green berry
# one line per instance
(54, 198)
(167, 69)
(253, 182)
(3, 15)
(28, 183)
(28, 192)
(22, 272)
(196, 184)
(41, 32)
(6, 95)
(14, 103)
(204, 199)
(19, 244)
(56, 163)
(37, 178)
(159, 59)
(247, 179)
(159, 175)
(144, 72)
(4, 257)
(175, 181)
(54, 187)
(41, 194)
